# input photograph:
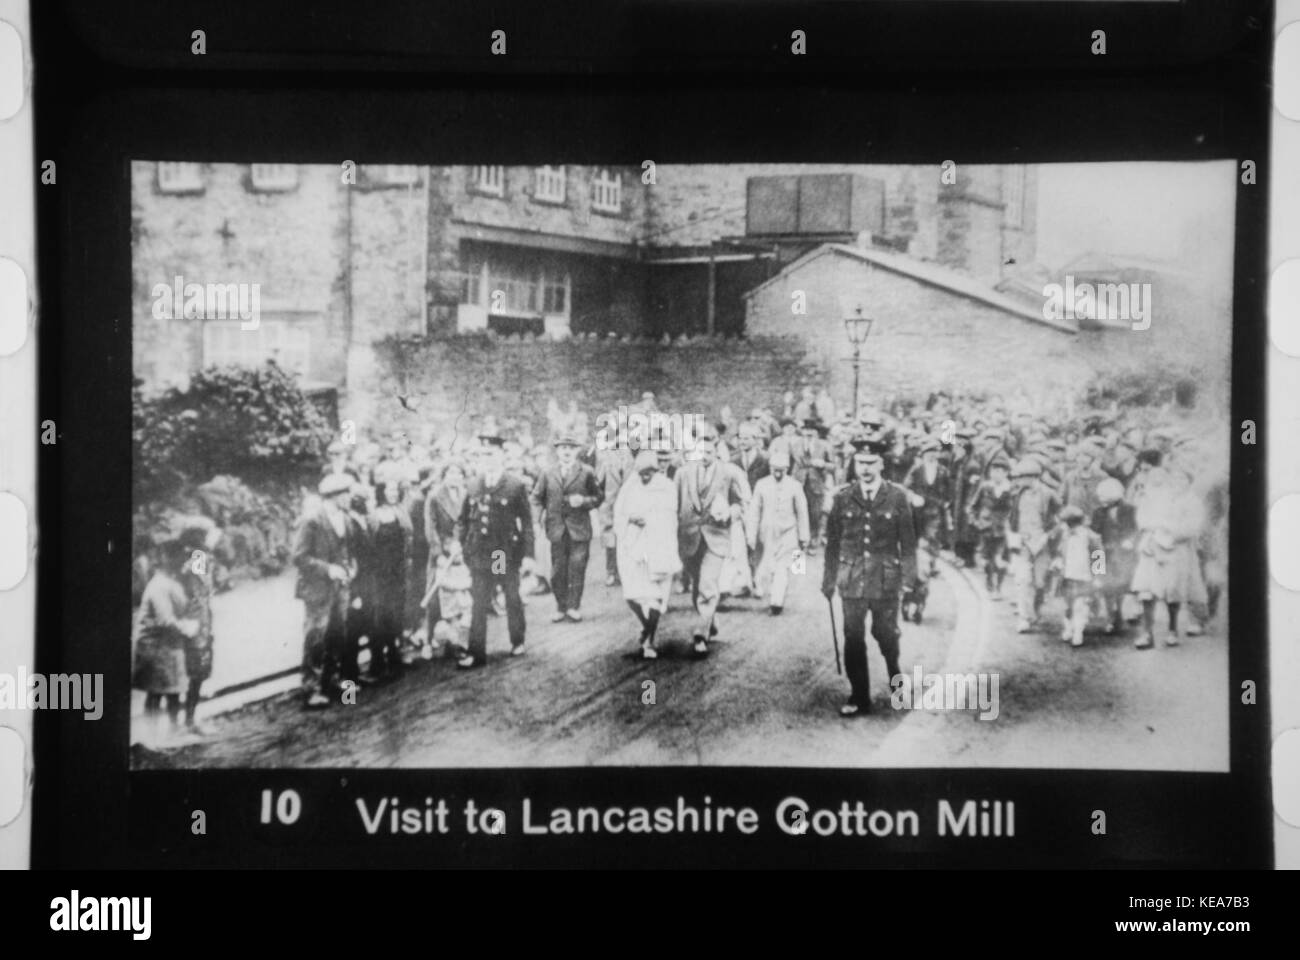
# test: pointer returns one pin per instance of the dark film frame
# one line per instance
(399, 37)
(92, 812)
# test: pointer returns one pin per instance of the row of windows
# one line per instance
(504, 288)
(550, 185)
(276, 177)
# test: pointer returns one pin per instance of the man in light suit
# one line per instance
(777, 522)
(707, 491)
(564, 497)
(751, 459)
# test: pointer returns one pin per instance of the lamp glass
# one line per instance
(858, 328)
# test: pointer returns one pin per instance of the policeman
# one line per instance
(870, 555)
(495, 535)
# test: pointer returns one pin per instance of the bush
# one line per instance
(254, 423)
(256, 526)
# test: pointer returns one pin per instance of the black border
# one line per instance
(90, 812)
(620, 36)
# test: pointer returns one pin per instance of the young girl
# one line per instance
(455, 603)
(159, 636)
(1075, 553)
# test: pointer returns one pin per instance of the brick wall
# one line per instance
(925, 338)
(291, 243)
(469, 377)
(347, 264)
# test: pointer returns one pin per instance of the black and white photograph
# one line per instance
(681, 465)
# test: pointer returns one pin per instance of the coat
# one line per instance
(385, 565)
(870, 546)
(316, 547)
(441, 511)
(647, 554)
(705, 511)
(936, 493)
(757, 469)
(1117, 527)
(778, 507)
(157, 641)
(1167, 566)
(550, 499)
(495, 519)
(990, 508)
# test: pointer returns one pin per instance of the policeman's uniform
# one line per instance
(495, 530)
(870, 555)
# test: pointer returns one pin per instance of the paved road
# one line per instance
(767, 695)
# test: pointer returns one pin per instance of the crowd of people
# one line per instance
(406, 550)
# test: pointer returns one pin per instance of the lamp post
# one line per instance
(858, 328)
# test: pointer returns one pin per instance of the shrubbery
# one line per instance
(233, 445)
(253, 423)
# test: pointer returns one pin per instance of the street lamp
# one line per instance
(858, 328)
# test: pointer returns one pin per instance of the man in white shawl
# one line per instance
(778, 521)
(645, 527)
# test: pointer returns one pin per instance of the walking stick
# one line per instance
(835, 641)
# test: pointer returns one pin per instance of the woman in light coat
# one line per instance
(1169, 519)
(645, 527)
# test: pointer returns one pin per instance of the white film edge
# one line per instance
(18, 422)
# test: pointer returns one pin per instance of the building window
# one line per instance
(225, 342)
(549, 185)
(489, 180)
(180, 178)
(607, 191)
(1013, 196)
(511, 289)
(555, 294)
(274, 176)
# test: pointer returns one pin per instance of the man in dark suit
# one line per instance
(756, 465)
(711, 495)
(564, 497)
(870, 555)
(495, 536)
(325, 549)
(750, 456)
(931, 487)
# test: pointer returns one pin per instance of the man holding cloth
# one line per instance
(870, 555)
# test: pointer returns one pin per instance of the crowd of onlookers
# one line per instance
(1112, 511)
